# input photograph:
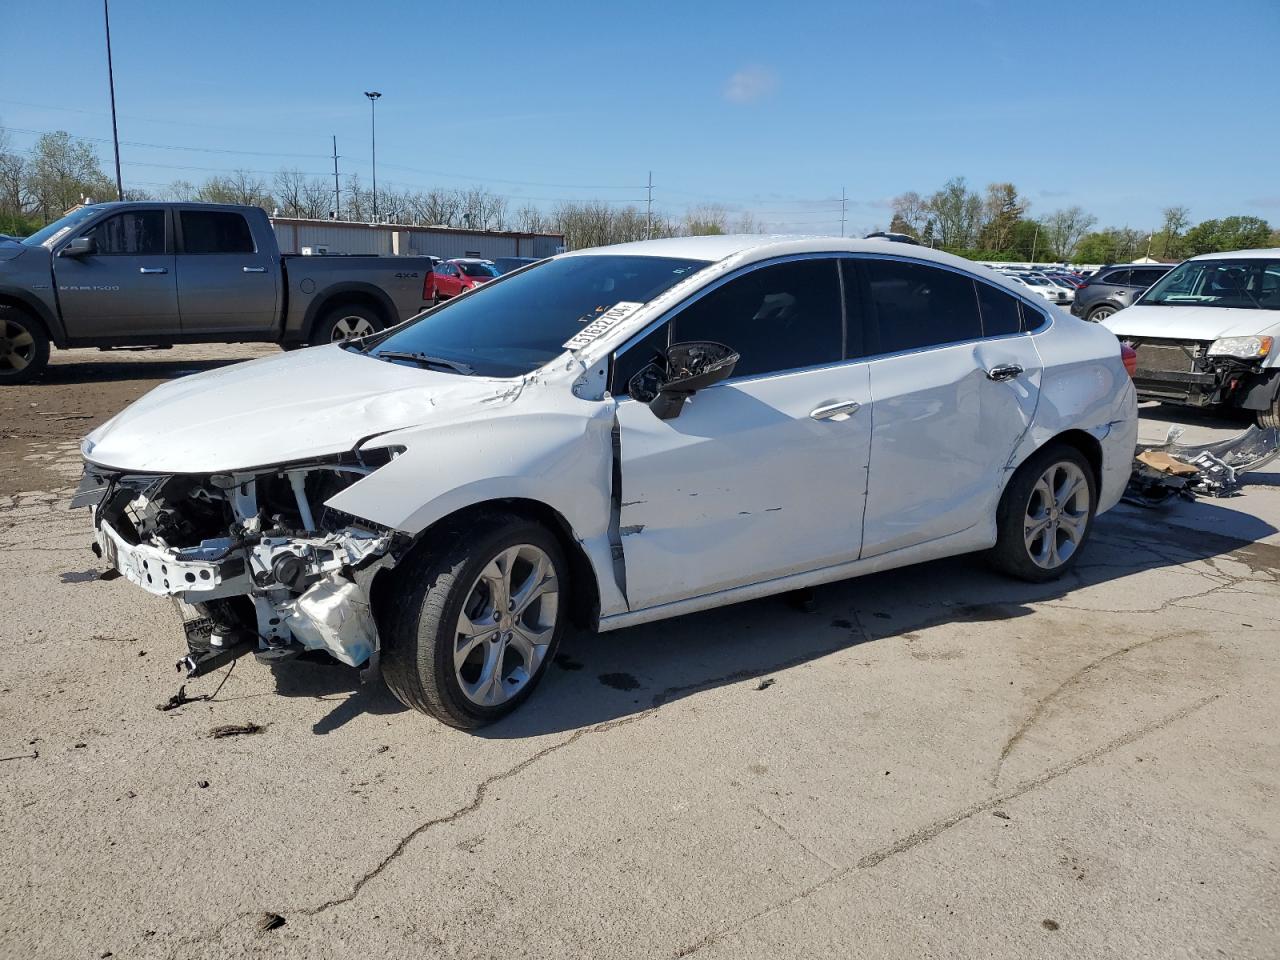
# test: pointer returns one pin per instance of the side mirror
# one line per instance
(79, 247)
(685, 369)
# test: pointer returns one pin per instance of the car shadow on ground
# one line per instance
(599, 678)
(126, 367)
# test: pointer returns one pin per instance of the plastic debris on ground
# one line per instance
(1168, 470)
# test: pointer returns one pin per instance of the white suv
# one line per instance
(612, 436)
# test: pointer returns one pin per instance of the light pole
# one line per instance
(111, 83)
(373, 96)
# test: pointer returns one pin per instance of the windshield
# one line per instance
(48, 236)
(479, 269)
(1246, 284)
(512, 327)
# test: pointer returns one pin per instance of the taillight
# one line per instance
(1083, 283)
(1129, 357)
(427, 292)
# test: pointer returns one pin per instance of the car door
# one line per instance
(447, 280)
(759, 476)
(226, 285)
(950, 400)
(125, 288)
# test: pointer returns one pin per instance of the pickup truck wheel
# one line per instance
(1045, 515)
(345, 322)
(24, 346)
(475, 620)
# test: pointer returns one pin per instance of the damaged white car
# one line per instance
(610, 437)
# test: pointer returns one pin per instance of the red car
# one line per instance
(452, 277)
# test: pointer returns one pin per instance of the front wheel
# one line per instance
(24, 346)
(474, 621)
(1045, 515)
(1270, 417)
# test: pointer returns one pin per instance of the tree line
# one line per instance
(59, 172)
(995, 225)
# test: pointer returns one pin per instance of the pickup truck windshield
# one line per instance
(1245, 284)
(513, 326)
(47, 236)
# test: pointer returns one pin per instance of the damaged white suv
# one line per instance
(612, 436)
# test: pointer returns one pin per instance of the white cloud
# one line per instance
(750, 84)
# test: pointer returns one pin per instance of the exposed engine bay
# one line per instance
(255, 561)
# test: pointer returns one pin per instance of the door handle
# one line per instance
(1006, 371)
(254, 269)
(835, 410)
(153, 269)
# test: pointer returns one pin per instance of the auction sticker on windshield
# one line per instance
(602, 324)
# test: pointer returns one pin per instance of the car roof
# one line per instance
(1263, 253)
(469, 260)
(750, 247)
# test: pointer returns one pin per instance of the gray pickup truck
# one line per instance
(156, 274)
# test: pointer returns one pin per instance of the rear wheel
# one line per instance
(1098, 314)
(346, 322)
(475, 620)
(1045, 515)
(24, 346)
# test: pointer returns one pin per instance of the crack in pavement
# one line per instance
(926, 833)
(1042, 704)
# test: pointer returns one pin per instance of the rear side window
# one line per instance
(1145, 278)
(782, 317)
(1118, 277)
(1000, 314)
(921, 306)
(1032, 318)
(136, 233)
(215, 231)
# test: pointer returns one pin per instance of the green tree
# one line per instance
(1002, 211)
(63, 172)
(1229, 233)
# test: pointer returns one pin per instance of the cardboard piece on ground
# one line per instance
(1166, 464)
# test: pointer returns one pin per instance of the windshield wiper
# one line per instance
(456, 366)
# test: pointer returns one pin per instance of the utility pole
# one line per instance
(648, 216)
(111, 82)
(844, 208)
(1034, 240)
(337, 193)
(373, 96)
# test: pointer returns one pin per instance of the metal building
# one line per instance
(349, 237)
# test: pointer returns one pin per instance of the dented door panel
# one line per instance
(744, 485)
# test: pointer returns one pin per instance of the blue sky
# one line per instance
(768, 107)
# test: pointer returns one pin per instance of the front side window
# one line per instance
(515, 325)
(921, 306)
(781, 317)
(1145, 278)
(214, 231)
(1243, 284)
(136, 233)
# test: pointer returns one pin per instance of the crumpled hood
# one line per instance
(278, 409)
(1192, 323)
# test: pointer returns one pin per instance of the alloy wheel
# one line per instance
(17, 346)
(350, 327)
(1101, 313)
(1057, 515)
(506, 625)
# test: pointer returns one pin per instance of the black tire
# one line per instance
(24, 346)
(1269, 417)
(1102, 311)
(1012, 554)
(421, 616)
(330, 327)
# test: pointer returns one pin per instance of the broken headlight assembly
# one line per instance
(253, 559)
(1241, 348)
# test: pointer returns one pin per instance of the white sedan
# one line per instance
(611, 437)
